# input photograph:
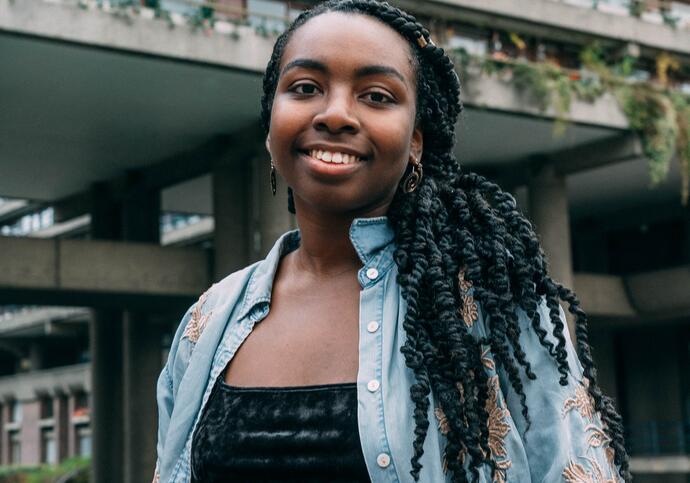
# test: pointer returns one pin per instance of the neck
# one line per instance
(325, 246)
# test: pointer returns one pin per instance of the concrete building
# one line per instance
(134, 175)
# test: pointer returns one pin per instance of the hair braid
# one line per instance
(460, 220)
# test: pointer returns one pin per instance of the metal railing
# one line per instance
(673, 13)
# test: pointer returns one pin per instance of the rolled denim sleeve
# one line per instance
(166, 389)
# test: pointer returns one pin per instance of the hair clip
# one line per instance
(422, 42)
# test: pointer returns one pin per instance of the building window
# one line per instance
(46, 407)
(81, 405)
(15, 410)
(48, 449)
(15, 453)
(83, 432)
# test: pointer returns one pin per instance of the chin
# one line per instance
(331, 202)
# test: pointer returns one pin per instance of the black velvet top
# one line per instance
(298, 434)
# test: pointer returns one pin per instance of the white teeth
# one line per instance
(331, 157)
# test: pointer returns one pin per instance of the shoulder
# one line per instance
(220, 296)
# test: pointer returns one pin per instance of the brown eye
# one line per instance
(379, 97)
(304, 89)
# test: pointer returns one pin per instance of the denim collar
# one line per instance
(372, 239)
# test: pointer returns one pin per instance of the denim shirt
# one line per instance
(564, 443)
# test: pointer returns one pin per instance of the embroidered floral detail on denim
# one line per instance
(486, 359)
(610, 455)
(498, 430)
(469, 310)
(596, 437)
(581, 401)
(197, 322)
(443, 425)
(465, 285)
(576, 473)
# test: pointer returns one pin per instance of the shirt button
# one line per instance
(372, 273)
(373, 326)
(383, 460)
(373, 385)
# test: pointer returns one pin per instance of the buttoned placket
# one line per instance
(370, 389)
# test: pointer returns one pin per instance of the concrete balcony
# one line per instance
(62, 380)
(63, 58)
(559, 20)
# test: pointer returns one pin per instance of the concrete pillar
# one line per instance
(124, 418)
(105, 341)
(71, 435)
(107, 459)
(231, 199)
(248, 218)
(270, 215)
(62, 426)
(36, 352)
(686, 244)
(548, 208)
(140, 212)
(4, 440)
(142, 364)
(106, 213)
(30, 432)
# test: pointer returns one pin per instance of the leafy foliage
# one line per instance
(658, 114)
(76, 468)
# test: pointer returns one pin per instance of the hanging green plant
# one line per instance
(659, 115)
(682, 107)
(652, 116)
(636, 8)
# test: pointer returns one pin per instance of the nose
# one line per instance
(338, 114)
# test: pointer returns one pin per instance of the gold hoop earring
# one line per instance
(273, 178)
(414, 178)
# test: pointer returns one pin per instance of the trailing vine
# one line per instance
(657, 113)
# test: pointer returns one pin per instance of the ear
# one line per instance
(417, 144)
(268, 143)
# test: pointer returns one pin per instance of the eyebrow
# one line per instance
(365, 71)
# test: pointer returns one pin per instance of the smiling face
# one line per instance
(342, 126)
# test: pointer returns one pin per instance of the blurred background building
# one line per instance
(133, 175)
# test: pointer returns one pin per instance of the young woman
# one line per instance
(409, 330)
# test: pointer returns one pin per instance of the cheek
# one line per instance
(286, 120)
(394, 136)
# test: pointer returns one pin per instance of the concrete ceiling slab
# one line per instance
(74, 115)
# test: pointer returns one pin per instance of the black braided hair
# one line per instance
(455, 221)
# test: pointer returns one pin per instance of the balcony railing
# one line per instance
(673, 13)
(657, 438)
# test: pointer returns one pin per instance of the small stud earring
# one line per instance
(273, 178)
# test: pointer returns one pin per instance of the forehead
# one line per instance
(350, 39)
